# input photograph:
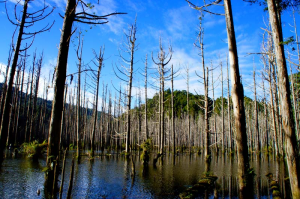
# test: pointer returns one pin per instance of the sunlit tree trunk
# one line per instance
(238, 106)
(286, 107)
(58, 99)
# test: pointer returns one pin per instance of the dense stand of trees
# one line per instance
(174, 120)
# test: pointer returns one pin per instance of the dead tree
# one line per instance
(223, 124)
(4, 87)
(127, 72)
(28, 20)
(286, 107)
(256, 115)
(205, 81)
(187, 107)
(146, 118)
(163, 60)
(173, 114)
(245, 186)
(229, 111)
(79, 58)
(295, 105)
(60, 76)
(28, 114)
(96, 79)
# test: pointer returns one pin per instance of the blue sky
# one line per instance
(174, 21)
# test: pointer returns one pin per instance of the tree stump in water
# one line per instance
(155, 159)
(205, 183)
(274, 186)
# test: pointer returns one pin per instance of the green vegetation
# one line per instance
(145, 156)
(33, 149)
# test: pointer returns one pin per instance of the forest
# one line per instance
(150, 124)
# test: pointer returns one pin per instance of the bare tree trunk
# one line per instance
(19, 104)
(238, 104)
(58, 99)
(206, 119)
(162, 103)
(265, 116)
(286, 108)
(188, 108)
(63, 117)
(4, 87)
(5, 118)
(228, 111)
(294, 102)
(162, 70)
(223, 125)
(29, 115)
(78, 127)
(256, 116)
(146, 118)
(172, 105)
(32, 128)
(12, 120)
(100, 63)
(132, 40)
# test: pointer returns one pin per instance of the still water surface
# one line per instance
(110, 177)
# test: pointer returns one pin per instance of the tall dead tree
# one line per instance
(223, 124)
(172, 107)
(4, 87)
(146, 118)
(79, 58)
(96, 79)
(32, 128)
(163, 60)
(28, 20)
(286, 107)
(60, 76)
(228, 111)
(205, 80)
(127, 72)
(295, 105)
(188, 107)
(28, 114)
(256, 115)
(245, 183)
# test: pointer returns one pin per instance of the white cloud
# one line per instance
(116, 23)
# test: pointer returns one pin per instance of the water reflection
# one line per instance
(117, 177)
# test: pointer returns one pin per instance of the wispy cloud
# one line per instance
(116, 23)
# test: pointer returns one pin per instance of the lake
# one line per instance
(111, 177)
